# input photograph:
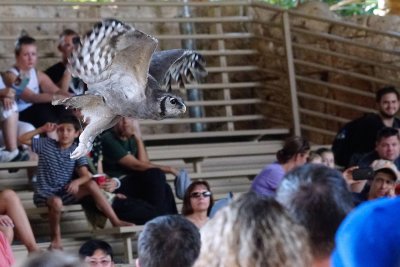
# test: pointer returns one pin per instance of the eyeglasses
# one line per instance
(199, 194)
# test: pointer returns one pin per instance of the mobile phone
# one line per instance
(363, 173)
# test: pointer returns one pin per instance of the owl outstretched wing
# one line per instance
(113, 49)
(181, 66)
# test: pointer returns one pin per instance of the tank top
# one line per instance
(32, 85)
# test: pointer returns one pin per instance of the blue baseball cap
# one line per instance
(369, 236)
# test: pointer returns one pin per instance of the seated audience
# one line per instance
(383, 182)
(10, 126)
(317, 198)
(34, 99)
(328, 159)
(358, 136)
(369, 236)
(253, 231)
(56, 183)
(168, 240)
(387, 147)
(13, 217)
(197, 203)
(294, 153)
(97, 252)
(125, 157)
(59, 72)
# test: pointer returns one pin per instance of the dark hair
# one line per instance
(23, 40)
(317, 197)
(387, 171)
(187, 208)
(168, 240)
(386, 90)
(66, 32)
(70, 119)
(89, 247)
(292, 146)
(386, 132)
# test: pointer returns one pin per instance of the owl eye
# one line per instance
(173, 101)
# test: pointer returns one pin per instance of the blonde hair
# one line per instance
(253, 232)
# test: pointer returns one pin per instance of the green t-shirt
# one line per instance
(114, 149)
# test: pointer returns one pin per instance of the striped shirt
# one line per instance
(55, 167)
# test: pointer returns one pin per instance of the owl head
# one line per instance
(171, 106)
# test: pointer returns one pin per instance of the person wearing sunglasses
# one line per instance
(197, 203)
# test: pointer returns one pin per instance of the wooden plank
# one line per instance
(258, 133)
(18, 165)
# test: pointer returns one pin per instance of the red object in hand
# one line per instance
(99, 178)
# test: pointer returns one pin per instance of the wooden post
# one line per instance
(291, 73)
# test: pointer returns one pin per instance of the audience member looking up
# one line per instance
(168, 240)
(369, 236)
(33, 89)
(13, 217)
(383, 182)
(10, 126)
(294, 153)
(253, 231)
(317, 198)
(387, 146)
(197, 203)
(56, 184)
(59, 72)
(125, 157)
(97, 252)
(328, 159)
(359, 135)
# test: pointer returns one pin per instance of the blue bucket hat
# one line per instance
(369, 236)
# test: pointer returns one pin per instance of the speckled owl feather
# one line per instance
(126, 77)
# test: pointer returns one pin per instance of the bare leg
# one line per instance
(10, 126)
(55, 206)
(11, 205)
(8, 233)
(92, 189)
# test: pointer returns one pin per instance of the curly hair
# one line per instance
(253, 232)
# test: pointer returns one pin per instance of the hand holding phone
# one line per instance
(363, 173)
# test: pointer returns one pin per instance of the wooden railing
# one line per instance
(268, 67)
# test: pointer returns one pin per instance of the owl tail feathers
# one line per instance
(80, 101)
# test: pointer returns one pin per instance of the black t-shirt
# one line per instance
(358, 137)
(56, 72)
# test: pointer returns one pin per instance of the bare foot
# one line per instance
(55, 246)
(122, 223)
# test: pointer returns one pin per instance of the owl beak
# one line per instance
(183, 108)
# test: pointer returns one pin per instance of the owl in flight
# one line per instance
(126, 77)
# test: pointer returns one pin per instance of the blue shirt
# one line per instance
(268, 180)
(55, 167)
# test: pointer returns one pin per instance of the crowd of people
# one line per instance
(309, 208)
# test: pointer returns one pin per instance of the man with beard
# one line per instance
(358, 136)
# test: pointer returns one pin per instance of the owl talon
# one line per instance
(80, 151)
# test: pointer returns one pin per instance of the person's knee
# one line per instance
(155, 174)
(90, 186)
(55, 203)
(9, 195)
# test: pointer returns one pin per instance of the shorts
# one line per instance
(4, 114)
(67, 198)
